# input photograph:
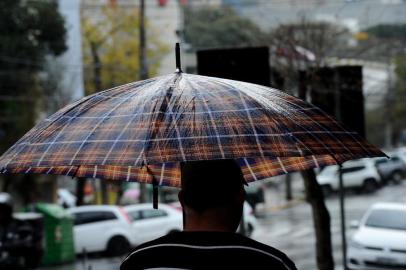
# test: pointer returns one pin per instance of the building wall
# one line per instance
(71, 60)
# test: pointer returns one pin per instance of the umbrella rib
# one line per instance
(162, 174)
(250, 169)
(209, 112)
(161, 114)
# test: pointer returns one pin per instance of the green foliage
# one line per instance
(388, 31)
(113, 35)
(220, 27)
(29, 31)
(400, 93)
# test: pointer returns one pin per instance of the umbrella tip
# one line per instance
(177, 52)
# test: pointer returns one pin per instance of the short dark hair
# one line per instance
(211, 183)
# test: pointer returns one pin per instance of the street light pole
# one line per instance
(143, 47)
(143, 71)
(340, 173)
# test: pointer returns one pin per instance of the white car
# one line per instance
(102, 228)
(380, 241)
(402, 153)
(148, 223)
(65, 198)
(250, 220)
(358, 174)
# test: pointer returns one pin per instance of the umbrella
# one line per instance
(141, 132)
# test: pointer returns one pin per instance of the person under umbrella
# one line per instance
(143, 131)
(212, 214)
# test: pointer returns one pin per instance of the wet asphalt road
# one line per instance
(289, 229)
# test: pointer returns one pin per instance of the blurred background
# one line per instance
(346, 56)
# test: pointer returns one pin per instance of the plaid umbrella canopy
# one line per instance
(141, 132)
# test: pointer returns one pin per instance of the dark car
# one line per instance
(255, 195)
(391, 170)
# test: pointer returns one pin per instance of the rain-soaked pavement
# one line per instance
(288, 229)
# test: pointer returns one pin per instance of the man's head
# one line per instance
(213, 188)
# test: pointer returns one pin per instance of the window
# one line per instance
(388, 219)
(135, 215)
(352, 169)
(153, 213)
(394, 159)
(92, 217)
(381, 161)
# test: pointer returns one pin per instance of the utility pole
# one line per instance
(388, 108)
(97, 83)
(143, 72)
(143, 45)
(288, 190)
(338, 115)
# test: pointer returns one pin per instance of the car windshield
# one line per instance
(388, 219)
(329, 170)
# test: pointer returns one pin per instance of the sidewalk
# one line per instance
(275, 194)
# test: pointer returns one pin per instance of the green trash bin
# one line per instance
(58, 224)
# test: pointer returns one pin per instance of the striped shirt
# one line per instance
(206, 250)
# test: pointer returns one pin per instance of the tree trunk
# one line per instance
(288, 182)
(315, 197)
(80, 191)
(143, 193)
(104, 192)
(321, 220)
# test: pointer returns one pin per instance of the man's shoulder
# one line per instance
(260, 246)
(210, 245)
(268, 251)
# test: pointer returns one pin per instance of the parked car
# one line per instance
(102, 228)
(380, 241)
(250, 220)
(148, 223)
(361, 175)
(393, 169)
(255, 194)
(65, 198)
(401, 152)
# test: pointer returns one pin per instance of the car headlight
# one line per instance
(355, 244)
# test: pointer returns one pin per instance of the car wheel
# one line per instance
(117, 245)
(327, 190)
(173, 231)
(397, 177)
(369, 185)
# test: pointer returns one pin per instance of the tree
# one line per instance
(220, 27)
(399, 108)
(31, 30)
(305, 46)
(111, 49)
(386, 44)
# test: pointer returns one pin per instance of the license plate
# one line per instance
(386, 260)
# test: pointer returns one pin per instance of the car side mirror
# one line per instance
(354, 224)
